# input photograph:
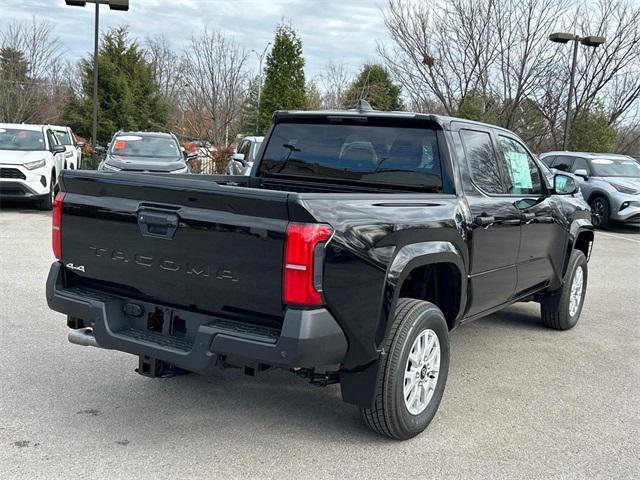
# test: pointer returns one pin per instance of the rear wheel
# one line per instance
(600, 213)
(413, 373)
(561, 310)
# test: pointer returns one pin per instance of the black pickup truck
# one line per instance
(360, 240)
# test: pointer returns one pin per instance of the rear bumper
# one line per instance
(307, 339)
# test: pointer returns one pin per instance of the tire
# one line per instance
(557, 310)
(47, 202)
(390, 415)
(600, 212)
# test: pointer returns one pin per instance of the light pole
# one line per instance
(113, 5)
(260, 58)
(589, 41)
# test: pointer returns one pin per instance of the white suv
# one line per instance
(31, 158)
(73, 155)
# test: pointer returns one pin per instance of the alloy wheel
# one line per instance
(421, 372)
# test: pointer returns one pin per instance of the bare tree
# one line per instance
(168, 70)
(335, 82)
(29, 71)
(216, 85)
(498, 51)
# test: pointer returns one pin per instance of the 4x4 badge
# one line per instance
(71, 266)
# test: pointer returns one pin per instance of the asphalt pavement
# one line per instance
(522, 401)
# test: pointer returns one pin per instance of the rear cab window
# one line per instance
(369, 152)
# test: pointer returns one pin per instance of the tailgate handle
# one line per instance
(159, 224)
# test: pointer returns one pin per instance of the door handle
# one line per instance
(484, 220)
(156, 223)
(527, 217)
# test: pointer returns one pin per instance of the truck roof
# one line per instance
(22, 126)
(443, 120)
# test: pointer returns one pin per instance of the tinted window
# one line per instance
(580, 164)
(563, 163)
(548, 160)
(482, 161)
(400, 156)
(50, 139)
(522, 172)
(17, 139)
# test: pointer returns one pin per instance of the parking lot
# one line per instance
(522, 401)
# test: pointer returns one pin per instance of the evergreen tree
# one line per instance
(128, 95)
(374, 85)
(313, 97)
(249, 118)
(17, 88)
(591, 132)
(284, 83)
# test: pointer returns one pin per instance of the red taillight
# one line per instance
(56, 224)
(300, 287)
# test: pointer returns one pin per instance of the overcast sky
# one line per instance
(331, 30)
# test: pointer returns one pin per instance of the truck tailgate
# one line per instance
(183, 241)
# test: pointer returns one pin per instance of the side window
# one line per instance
(563, 163)
(482, 160)
(548, 161)
(244, 148)
(50, 139)
(523, 173)
(580, 164)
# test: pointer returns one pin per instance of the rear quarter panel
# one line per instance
(369, 232)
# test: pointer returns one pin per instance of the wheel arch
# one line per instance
(419, 271)
(581, 237)
(597, 193)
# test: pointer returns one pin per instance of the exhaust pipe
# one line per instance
(84, 337)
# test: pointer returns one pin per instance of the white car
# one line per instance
(73, 155)
(242, 161)
(31, 157)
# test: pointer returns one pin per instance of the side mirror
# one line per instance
(239, 157)
(581, 172)
(191, 155)
(564, 184)
(79, 144)
(58, 149)
(100, 150)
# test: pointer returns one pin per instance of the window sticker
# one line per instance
(120, 144)
(130, 138)
(519, 168)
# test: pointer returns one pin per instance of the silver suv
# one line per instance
(610, 183)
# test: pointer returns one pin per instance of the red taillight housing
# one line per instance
(302, 252)
(56, 224)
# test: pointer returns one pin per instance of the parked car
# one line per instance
(242, 161)
(360, 240)
(66, 137)
(609, 183)
(144, 152)
(31, 158)
(202, 148)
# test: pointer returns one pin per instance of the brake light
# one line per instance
(56, 225)
(301, 286)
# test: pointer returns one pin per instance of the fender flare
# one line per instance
(359, 387)
(417, 255)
